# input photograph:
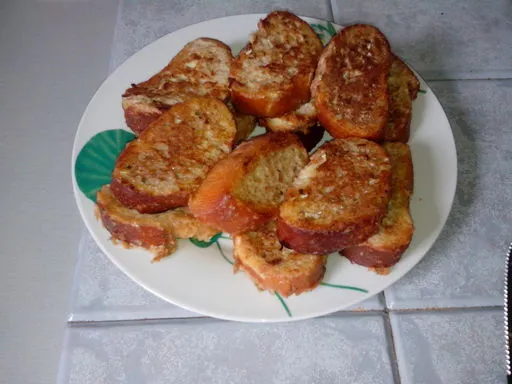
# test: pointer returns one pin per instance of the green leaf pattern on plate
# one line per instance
(324, 31)
(95, 162)
(205, 244)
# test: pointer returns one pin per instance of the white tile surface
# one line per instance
(441, 38)
(451, 347)
(345, 349)
(465, 265)
(52, 58)
(163, 16)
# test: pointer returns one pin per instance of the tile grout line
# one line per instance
(330, 11)
(111, 67)
(392, 348)
(443, 309)
(493, 78)
(384, 311)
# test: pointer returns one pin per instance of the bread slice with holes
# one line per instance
(154, 232)
(273, 267)
(302, 121)
(403, 89)
(384, 249)
(338, 199)
(244, 190)
(350, 88)
(201, 68)
(272, 74)
(169, 160)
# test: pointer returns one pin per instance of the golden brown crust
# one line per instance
(384, 248)
(275, 268)
(219, 202)
(155, 232)
(131, 228)
(403, 89)
(169, 160)
(132, 197)
(201, 68)
(350, 89)
(338, 199)
(272, 74)
(138, 119)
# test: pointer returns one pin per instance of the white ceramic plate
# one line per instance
(201, 279)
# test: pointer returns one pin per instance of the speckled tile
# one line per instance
(140, 23)
(441, 38)
(465, 265)
(349, 349)
(450, 347)
(101, 292)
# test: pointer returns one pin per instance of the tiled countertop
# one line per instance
(441, 323)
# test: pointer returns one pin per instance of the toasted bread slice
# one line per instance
(302, 121)
(403, 89)
(350, 89)
(201, 68)
(338, 199)
(384, 249)
(244, 190)
(273, 267)
(155, 232)
(169, 160)
(272, 74)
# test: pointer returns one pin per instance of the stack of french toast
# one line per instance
(193, 171)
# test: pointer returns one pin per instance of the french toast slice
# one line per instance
(244, 190)
(168, 161)
(154, 232)
(384, 248)
(403, 89)
(201, 68)
(272, 74)
(302, 121)
(273, 267)
(338, 199)
(350, 88)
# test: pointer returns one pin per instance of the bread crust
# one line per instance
(338, 199)
(384, 248)
(169, 160)
(272, 74)
(201, 68)
(350, 89)
(274, 268)
(216, 201)
(403, 89)
(154, 232)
